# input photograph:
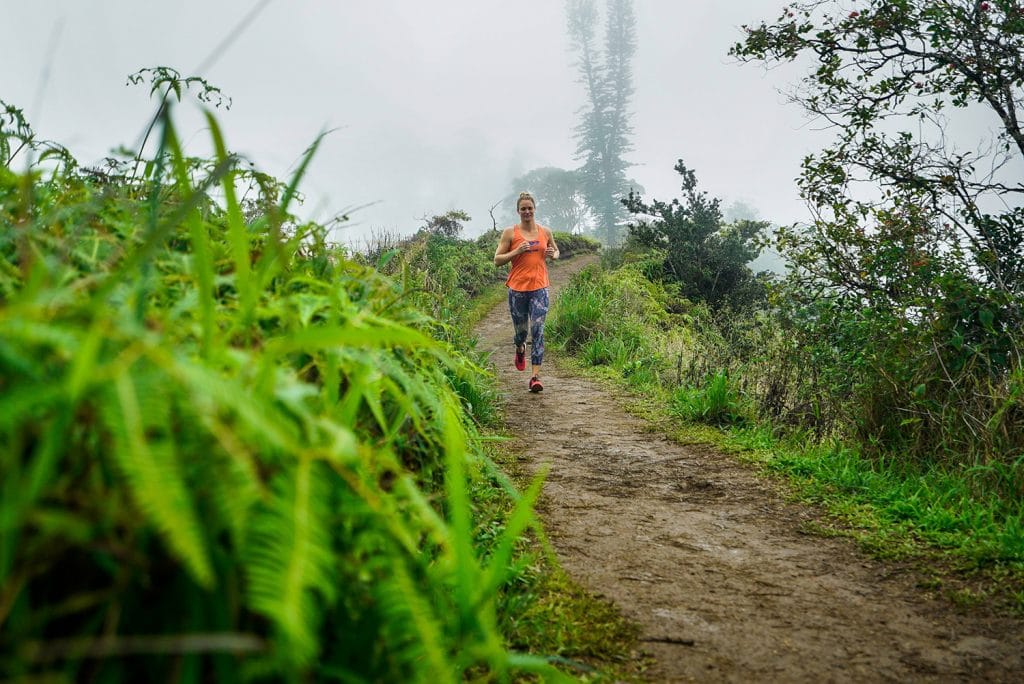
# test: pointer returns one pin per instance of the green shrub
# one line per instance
(700, 253)
(620, 321)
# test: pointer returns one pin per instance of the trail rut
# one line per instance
(713, 563)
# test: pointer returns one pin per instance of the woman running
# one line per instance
(527, 245)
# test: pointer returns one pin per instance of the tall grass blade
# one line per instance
(238, 235)
(460, 519)
(497, 571)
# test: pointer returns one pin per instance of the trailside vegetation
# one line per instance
(230, 451)
(706, 257)
(907, 290)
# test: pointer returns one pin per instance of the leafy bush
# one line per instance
(707, 258)
(620, 321)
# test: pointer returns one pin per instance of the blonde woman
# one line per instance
(527, 246)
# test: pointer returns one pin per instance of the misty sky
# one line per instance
(437, 106)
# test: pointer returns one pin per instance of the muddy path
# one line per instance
(713, 563)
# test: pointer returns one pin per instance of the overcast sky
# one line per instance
(437, 106)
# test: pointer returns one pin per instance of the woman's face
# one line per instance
(526, 210)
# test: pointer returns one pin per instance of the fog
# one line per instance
(430, 106)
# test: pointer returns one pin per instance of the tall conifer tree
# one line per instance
(603, 133)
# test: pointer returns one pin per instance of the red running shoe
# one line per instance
(535, 385)
(520, 359)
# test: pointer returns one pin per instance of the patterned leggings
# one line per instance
(528, 311)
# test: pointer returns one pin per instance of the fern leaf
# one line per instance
(151, 470)
(290, 560)
(408, 609)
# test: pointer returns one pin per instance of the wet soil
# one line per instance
(711, 561)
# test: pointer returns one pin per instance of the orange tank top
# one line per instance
(529, 270)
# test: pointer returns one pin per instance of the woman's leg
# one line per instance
(519, 308)
(538, 312)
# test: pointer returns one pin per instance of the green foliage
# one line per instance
(448, 224)
(715, 402)
(946, 509)
(17, 136)
(909, 295)
(438, 273)
(229, 451)
(165, 77)
(705, 257)
(619, 322)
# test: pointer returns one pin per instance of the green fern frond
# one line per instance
(290, 560)
(151, 469)
(414, 629)
(263, 423)
(234, 479)
(466, 568)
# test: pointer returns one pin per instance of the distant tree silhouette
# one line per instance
(560, 199)
(603, 133)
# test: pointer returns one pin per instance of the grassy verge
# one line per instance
(234, 453)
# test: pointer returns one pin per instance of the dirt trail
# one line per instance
(711, 562)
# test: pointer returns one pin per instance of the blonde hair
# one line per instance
(525, 196)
